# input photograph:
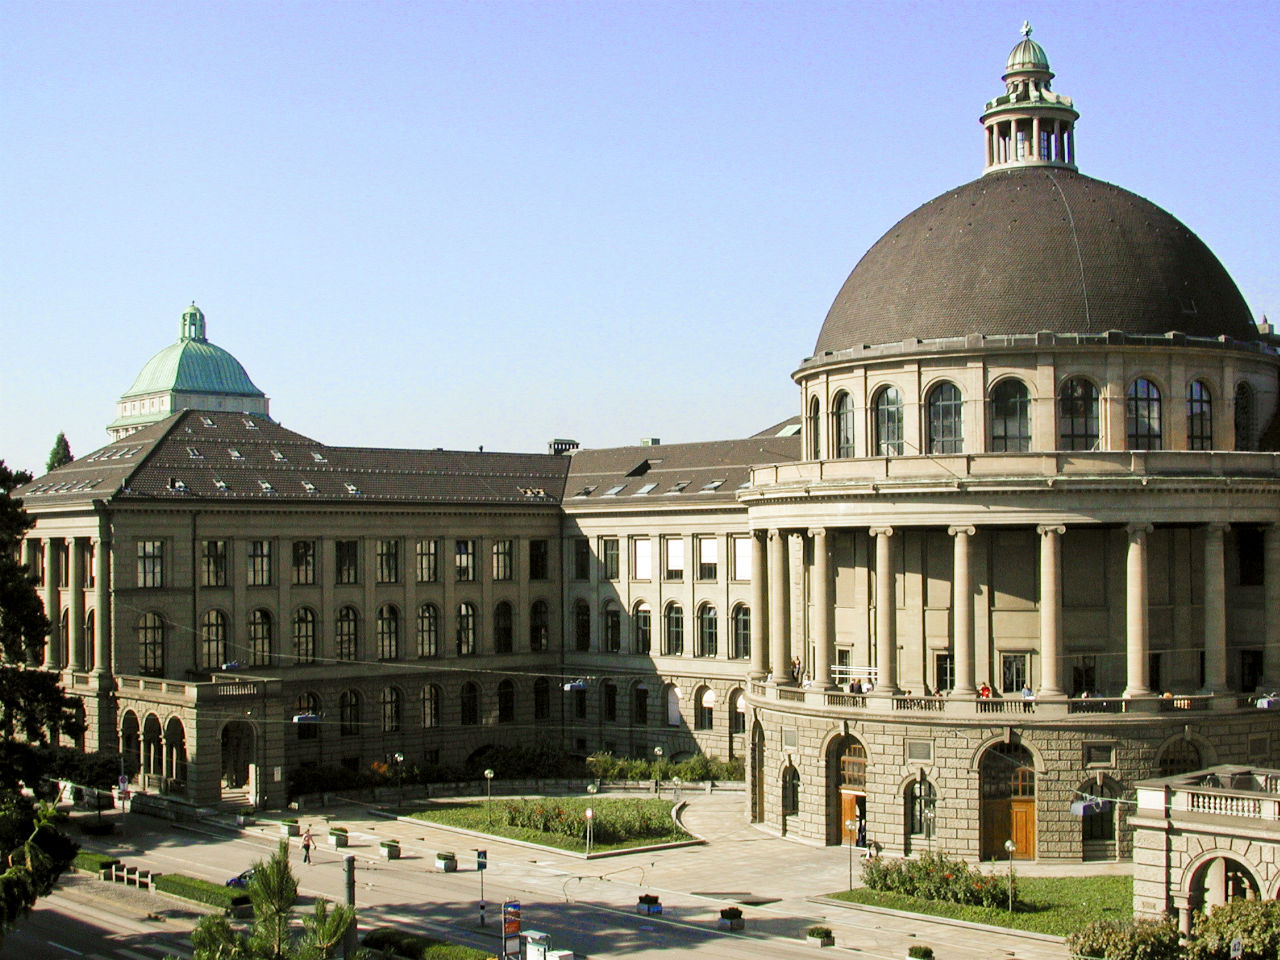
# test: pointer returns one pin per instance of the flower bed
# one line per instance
(939, 877)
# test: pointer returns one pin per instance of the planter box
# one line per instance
(337, 840)
(243, 819)
(821, 941)
(449, 865)
(288, 829)
(390, 851)
(649, 909)
(727, 923)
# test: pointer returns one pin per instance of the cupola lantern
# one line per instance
(1029, 125)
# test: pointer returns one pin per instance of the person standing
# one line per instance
(306, 845)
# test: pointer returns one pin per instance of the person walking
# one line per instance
(306, 845)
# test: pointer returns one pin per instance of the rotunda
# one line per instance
(191, 374)
(1031, 553)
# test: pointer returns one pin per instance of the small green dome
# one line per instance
(1027, 55)
(193, 365)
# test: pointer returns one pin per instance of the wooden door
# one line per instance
(996, 827)
(1022, 824)
(851, 809)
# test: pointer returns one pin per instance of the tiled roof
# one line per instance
(224, 456)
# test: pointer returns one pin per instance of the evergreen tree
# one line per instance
(60, 454)
(33, 707)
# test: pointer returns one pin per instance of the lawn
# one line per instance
(1056, 905)
(618, 823)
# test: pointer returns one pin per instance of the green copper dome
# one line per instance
(1027, 55)
(193, 365)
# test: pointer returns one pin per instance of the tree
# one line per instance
(274, 891)
(60, 454)
(33, 708)
(1255, 922)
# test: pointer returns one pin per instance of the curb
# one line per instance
(930, 918)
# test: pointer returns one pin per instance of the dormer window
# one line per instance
(249, 424)
(194, 454)
(220, 484)
(318, 457)
(235, 454)
(266, 486)
(308, 486)
(278, 456)
(353, 489)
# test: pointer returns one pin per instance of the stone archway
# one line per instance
(152, 773)
(240, 778)
(1218, 880)
(131, 742)
(846, 791)
(1007, 782)
(175, 755)
(757, 773)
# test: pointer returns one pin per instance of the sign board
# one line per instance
(1237, 947)
(123, 783)
(511, 928)
(482, 859)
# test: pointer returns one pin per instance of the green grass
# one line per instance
(640, 822)
(1055, 905)
(414, 947)
(201, 891)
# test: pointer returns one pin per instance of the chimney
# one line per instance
(559, 447)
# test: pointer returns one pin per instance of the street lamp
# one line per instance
(675, 788)
(1011, 847)
(590, 815)
(849, 827)
(399, 759)
(488, 797)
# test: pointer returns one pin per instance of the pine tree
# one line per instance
(60, 454)
(32, 707)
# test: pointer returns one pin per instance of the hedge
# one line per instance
(414, 947)
(92, 862)
(201, 891)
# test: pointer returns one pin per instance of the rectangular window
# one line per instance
(641, 559)
(428, 552)
(944, 672)
(388, 561)
(741, 553)
(259, 563)
(581, 559)
(151, 563)
(610, 703)
(539, 559)
(464, 560)
(1013, 672)
(640, 707)
(503, 559)
(1084, 675)
(580, 704)
(213, 563)
(673, 548)
(609, 558)
(708, 557)
(304, 563)
(1099, 754)
(347, 561)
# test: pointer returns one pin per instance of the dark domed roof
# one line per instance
(1029, 249)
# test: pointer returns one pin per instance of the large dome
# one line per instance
(193, 365)
(1029, 249)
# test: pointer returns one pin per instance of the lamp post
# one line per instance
(399, 759)
(590, 815)
(488, 797)
(675, 788)
(1011, 847)
(849, 827)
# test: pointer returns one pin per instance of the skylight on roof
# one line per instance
(279, 457)
(250, 424)
(353, 489)
(711, 486)
(308, 486)
(194, 454)
(235, 454)
(646, 489)
(220, 484)
(586, 491)
(266, 486)
(208, 422)
(680, 485)
(615, 490)
(319, 457)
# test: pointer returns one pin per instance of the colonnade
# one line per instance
(71, 651)
(776, 591)
(1002, 141)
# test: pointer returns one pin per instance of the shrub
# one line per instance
(1256, 922)
(342, 830)
(1128, 940)
(93, 862)
(920, 952)
(414, 947)
(648, 898)
(820, 932)
(731, 913)
(938, 877)
(201, 891)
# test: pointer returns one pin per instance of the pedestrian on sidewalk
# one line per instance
(306, 845)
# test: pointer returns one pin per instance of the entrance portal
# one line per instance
(1008, 783)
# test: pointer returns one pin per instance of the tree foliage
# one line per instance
(60, 454)
(1127, 940)
(1255, 922)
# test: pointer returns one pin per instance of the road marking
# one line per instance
(61, 946)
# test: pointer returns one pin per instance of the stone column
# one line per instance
(779, 627)
(886, 615)
(1136, 626)
(797, 624)
(759, 607)
(1215, 609)
(820, 594)
(962, 612)
(75, 615)
(1271, 603)
(52, 607)
(102, 606)
(1050, 612)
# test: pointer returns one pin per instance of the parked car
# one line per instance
(241, 880)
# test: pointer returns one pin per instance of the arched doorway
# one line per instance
(757, 773)
(152, 754)
(239, 765)
(1221, 880)
(175, 756)
(1008, 785)
(130, 742)
(847, 792)
(790, 795)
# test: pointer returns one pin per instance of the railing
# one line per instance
(241, 689)
(1020, 705)
(856, 701)
(1096, 705)
(1170, 704)
(795, 696)
(918, 703)
(1227, 806)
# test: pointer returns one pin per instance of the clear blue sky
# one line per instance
(461, 224)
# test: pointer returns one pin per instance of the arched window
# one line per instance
(741, 632)
(346, 634)
(431, 699)
(151, 645)
(466, 632)
(674, 697)
(388, 632)
(428, 630)
(503, 628)
(737, 712)
(790, 792)
(609, 701)
(674, 629)
(1078, 415)
(707, 642)
(853, 765)
(1010, 417)
(815, 425)
(842, 425)
(542, 699)
(920, 800)
(612, 628)
(1099, 820)
(581, 626)
(260, 638)
(643, 626)
(506, 702)
(1246, 422)
(90, 633)
(1199, 417)
(390, 704)
(348, 713)
(946, 419)
(469, 698)
(1179, 756)
(539, 625)
(704, 712)
(888, 410)
(308, 706)
(1142, 415)
(304, 635)
(213, 640)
